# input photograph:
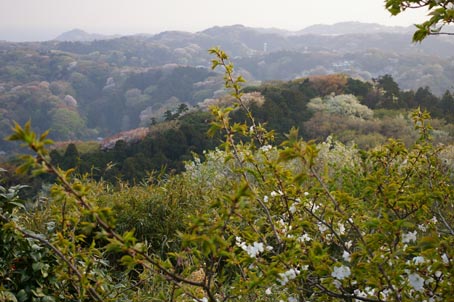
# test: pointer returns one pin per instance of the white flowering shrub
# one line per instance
(294, 222)
(345, 105)
(327, 222)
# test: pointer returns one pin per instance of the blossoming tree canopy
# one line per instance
(440, 13)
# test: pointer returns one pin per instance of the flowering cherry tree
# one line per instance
(307, 222)
(292, 222)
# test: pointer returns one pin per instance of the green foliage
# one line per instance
(256, 221)
(27, 269)
(440, 14)
(300, 228)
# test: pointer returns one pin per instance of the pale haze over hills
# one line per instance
(24, 20)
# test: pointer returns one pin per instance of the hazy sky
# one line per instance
(44, 19)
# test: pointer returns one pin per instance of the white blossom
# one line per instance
(265, 198)
(416, 281)
(409, 237)
(255, 249)
(341, 272)
(370, 291)
(292, 299)
(321, 227)
(285, 277)
(341, 228)
(314, 207)
(422, 227)
(306, 193)
(292, 209)
(304, 238)
(434, 220)
(445, 258)
(275, 194)
(266, 148)
(360, 293)
(252, 250)
(385, 293)
(268, 291)
(347, 257)
(418, 260)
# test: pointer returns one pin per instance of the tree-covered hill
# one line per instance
(351, 111)
(93, 89)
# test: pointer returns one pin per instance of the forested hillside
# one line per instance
(93, 89)
(352, 111)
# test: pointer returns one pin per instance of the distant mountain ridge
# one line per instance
(364, 50)
(344, 28)
(341, 28)
(80, 35)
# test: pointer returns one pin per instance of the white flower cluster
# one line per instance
(266, 148)
(416, 281)
(285, 277)
(304, 238)
(346, 256)
(322, 227)
(418, 260)
(445, 258)
(341, 272)
(368, 291)
(313, 207)
(422, 227)
(275, 194)
(341, 228)
(409, 237)
(434, 220)
(286, 230)
(384, 294)
(292, 208)
(252, 250)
